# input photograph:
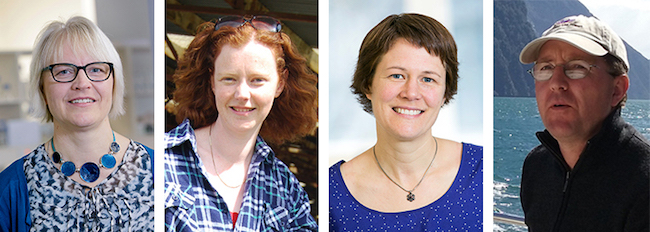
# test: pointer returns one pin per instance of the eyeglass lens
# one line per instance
(98, 71)
(575, 69)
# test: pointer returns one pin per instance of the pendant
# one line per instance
(115, 147)
(89, 172)
(107, 161)
(410, 197)
(68, 168)
(56, 157)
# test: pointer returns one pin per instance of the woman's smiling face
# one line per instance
(80, 103)
(246, 82)
(407, 91)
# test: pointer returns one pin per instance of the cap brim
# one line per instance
(531, 50)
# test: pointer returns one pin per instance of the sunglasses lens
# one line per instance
(230, 21)
(266, 23)
(258, 22)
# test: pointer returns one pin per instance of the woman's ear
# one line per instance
(369, 92)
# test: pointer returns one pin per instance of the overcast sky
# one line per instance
(629, 18)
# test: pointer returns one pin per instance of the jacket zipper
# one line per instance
(567, 169)
(566, 181)
(565, 202)
(565, 193)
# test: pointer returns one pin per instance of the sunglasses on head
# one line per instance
(258, 22)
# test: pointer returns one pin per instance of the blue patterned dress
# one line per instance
(122, 202)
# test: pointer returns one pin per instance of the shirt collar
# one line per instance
(264, 151)
(184, 132)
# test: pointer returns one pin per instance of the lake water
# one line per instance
(515, 122)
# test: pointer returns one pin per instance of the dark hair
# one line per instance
(419, 30)
(294, 112)
(616, 67)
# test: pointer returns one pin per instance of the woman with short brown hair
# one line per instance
(406, 72)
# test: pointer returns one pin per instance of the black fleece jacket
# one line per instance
(607, 190)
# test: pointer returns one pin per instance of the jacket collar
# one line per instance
(614, 131)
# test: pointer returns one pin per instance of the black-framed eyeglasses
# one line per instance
(575, 69)
(258, 22)
(65, 72)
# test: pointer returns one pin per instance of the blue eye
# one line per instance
(64, 72)
(258, 81)
(428, 79)
(397, 76)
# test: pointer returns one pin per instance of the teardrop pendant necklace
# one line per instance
(409, 197)
(89, 171)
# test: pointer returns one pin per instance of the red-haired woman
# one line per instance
(240, 80)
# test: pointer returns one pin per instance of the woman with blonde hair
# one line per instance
(86, 177)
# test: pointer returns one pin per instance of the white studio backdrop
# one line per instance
(352, 130)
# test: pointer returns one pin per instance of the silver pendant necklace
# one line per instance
(410, 196)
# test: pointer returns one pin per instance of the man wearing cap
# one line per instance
(590, 172)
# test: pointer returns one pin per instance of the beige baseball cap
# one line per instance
(585, 33)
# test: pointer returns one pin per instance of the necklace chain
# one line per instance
(215, 166)
(409, 197)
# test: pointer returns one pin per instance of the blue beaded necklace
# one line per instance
(89, 171)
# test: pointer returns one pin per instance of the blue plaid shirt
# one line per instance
(273, 199)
